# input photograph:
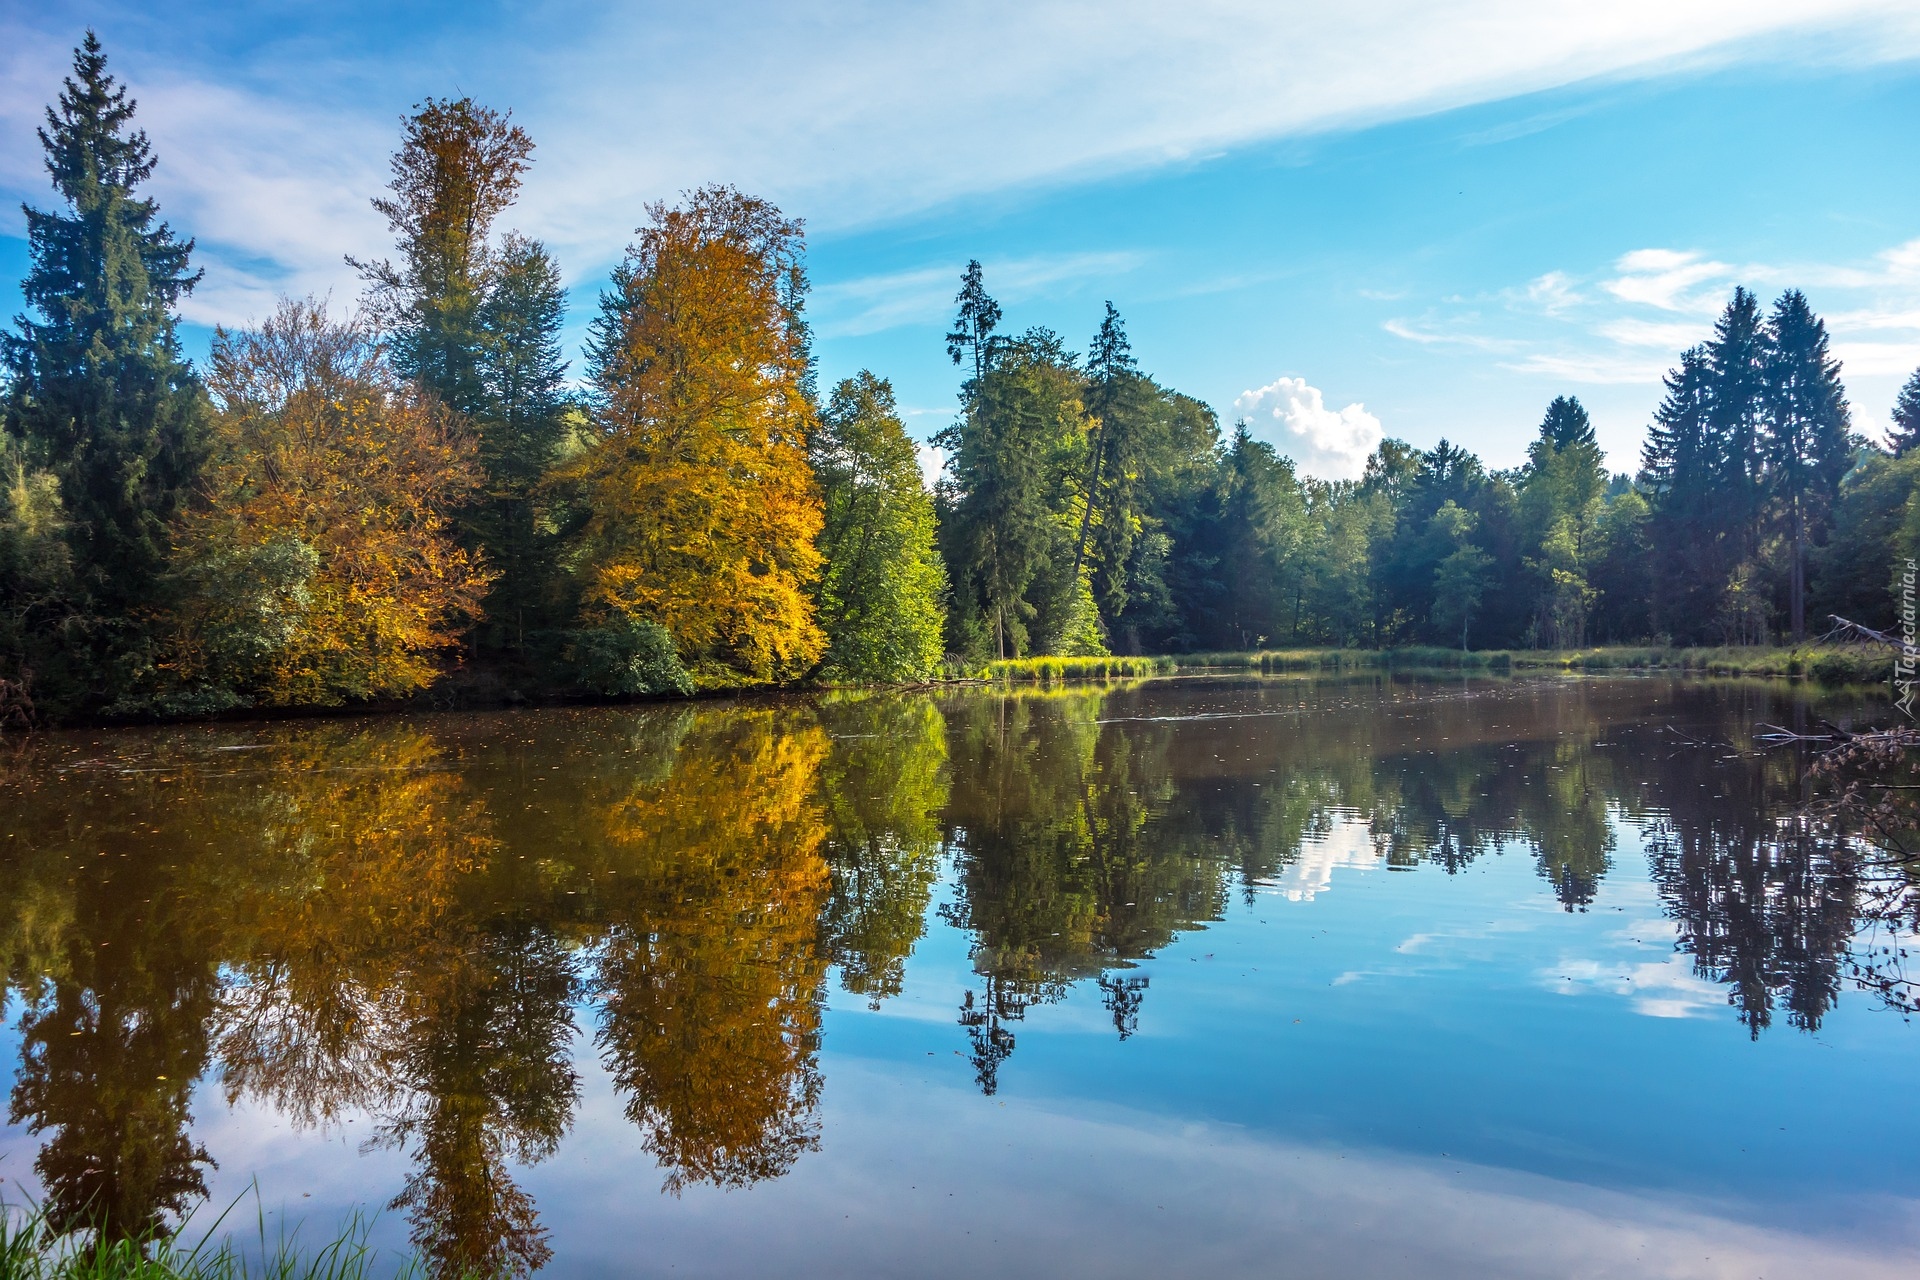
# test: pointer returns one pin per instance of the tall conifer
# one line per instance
(1679, 470)
(1807, 444)
(99, 394)
(1736, 358)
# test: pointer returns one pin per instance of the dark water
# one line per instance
(1194, 977)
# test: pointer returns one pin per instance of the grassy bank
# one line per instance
(1050, 670)
(1824, 664)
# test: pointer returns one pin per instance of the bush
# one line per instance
(625, 657)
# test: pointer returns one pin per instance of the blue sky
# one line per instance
(1382, 216)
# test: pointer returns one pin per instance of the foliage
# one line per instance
(477, 322)
(322, 565)
(882, 596)
(625, 656)
(99, 396)
(704, 512)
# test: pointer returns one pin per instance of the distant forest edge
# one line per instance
(351, 507)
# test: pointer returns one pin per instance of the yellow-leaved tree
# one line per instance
(704, 511)
(320, 565)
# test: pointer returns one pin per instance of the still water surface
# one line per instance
(1198, 976)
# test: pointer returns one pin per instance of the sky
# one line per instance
(1420, 220)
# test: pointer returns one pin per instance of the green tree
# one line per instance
(1009, 458)
(476, 320)
(520, 428)
(1906, 416)
(881, 597)
(99, 395)
(1807, 439)
(1679, 469)
(1737, 359)
(1461, 578)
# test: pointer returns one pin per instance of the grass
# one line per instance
(29, 1250)
(1052, 670)
(1822, 664)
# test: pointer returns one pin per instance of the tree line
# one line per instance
(357, 505)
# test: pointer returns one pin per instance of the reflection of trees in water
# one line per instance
(1056, 873)
(379, 920)
(1783, 903)
(710, 982)
(118, 982)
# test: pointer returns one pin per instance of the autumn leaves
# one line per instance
(357, 505)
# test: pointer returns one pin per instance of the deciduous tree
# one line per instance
(322, 566)
(704, 510)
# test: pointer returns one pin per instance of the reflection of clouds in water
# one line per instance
(1663, 988)
(1054, 1189)
(1347, 842)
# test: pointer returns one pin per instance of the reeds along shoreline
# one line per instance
(32, 1249)
(1823, 664)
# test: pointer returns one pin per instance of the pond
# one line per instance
(1208, 976)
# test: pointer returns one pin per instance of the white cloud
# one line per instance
(1294, 418)
(1669, 280)
(1553, 293)
(849, 112)
(932, 462)
(870, 304)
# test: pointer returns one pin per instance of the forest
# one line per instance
(418, 492)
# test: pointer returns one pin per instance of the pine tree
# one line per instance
(1736, 358)
(1906, 417)
(1680, 466)
(1567, 425)
(1807, 444)
(979, 315)
(99, 394)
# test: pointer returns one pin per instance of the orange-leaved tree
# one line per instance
(704, 511)
(321, 566)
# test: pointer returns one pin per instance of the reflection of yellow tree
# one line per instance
(374, 984)
(711, 982)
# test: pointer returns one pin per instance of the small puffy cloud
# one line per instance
(1294, 418)
(932, 462)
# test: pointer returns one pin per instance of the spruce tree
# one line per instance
(1736, 358)
(477, 321)
(1906, 417)
(99, 393)
(1807, 444)
(1680, 468)
(522, 417)
(1567, 425)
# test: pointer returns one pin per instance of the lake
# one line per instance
(1211, 976)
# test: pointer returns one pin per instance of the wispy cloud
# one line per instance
(870, 304)
(271, 123)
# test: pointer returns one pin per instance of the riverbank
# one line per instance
(1821, 664)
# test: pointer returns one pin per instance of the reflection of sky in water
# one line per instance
(1356, 1069)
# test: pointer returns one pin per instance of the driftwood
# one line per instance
(1847, 631)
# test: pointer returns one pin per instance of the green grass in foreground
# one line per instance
(28, 1251)
(1824, 664)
